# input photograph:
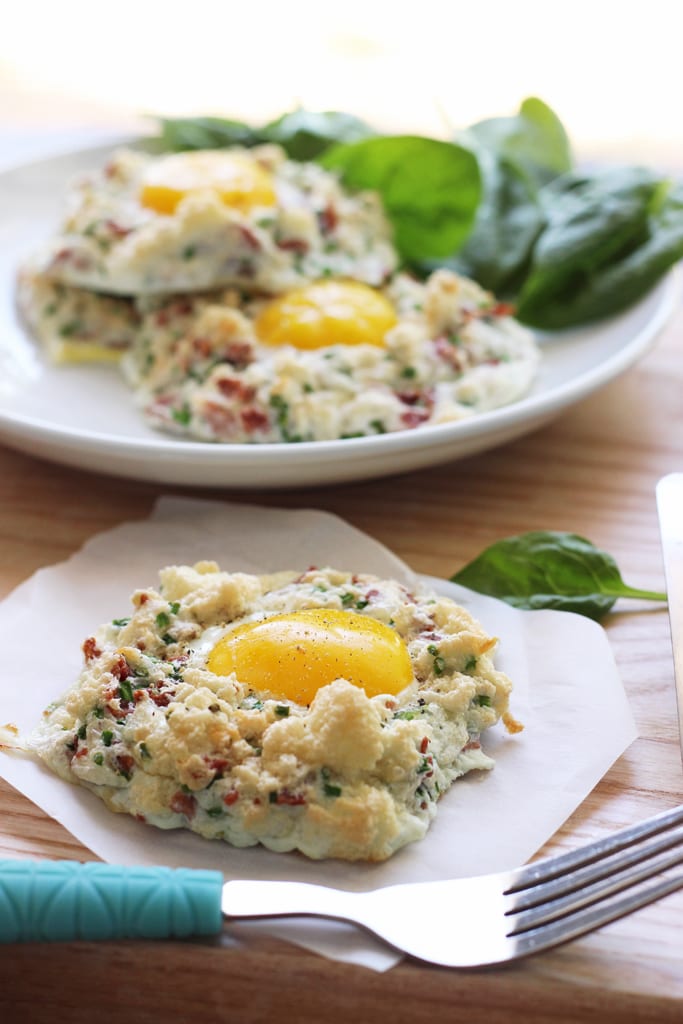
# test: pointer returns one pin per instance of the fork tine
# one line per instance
(544, 892)
(589, 919)
(591, 894)
(553, 867)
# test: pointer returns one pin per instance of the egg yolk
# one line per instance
(290, 656)
(326, 313)
(236, 177)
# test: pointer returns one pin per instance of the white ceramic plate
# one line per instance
(84, 416)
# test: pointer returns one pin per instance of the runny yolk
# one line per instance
(327, 313)
(236, 177)
(290, 656)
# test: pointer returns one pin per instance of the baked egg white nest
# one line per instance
(147, 224)
(258, 302)
(325, 712)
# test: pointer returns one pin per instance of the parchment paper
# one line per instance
(567, 692)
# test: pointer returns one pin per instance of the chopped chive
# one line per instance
(162, 620)
(483, 701)
(125, 690)
(329, 789)
(409, 372)
(81, 732)
(439, 663)
(471, 663)
(282, 710)
(120, 622)
(71, 328)
(214, 812)
(144, 752)
(175, 607)
(189, 252)
(107, 737)
(182, 415)
(98, 712)
(168, 639)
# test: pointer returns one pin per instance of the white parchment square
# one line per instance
(567, 692)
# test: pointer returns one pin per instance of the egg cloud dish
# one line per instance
(334, 359)
(325, 712)
(191, 221)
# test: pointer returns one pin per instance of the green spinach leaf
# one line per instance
(619, 283)
(508, 221)
(550, 569)
(430, 189)
(534, 139)
(592, 222)
(182, 133)
(305, 135)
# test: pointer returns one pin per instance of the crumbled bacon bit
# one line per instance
(232, 387)
(472, 745)
(117, 230)
(328, 219)
(124, 763)
(231, 797)
(90, 649)
(183, 803)
(202, 346)
(162, 700)
(414, 417)
(141, 817)
(81, 752)
(409, 397)
(220, 418)
(449, 353)
(120, 669)
(424, 744)
(250, 238)
(293, 245)
(239, 354)
(502, 309)
(254, 419)
(290, 799)
(218, 764)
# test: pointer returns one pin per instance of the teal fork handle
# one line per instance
(50, 901)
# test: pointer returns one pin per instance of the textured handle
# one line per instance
(62, 900)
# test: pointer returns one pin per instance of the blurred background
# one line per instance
(609, 69)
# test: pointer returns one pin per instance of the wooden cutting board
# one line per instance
(593, 472)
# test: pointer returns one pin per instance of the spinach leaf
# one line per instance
(534, 139)
(430, 189)
(179, 133)
(592, 222)
(508, 221)
(550, 569)
(305, 135)
(620, 283)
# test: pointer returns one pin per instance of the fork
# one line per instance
(490, 919)
(468, 922)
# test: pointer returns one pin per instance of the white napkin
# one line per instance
(567, 692)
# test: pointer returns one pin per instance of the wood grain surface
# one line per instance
(593, 471)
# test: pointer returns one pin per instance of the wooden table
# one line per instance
(593, 472)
